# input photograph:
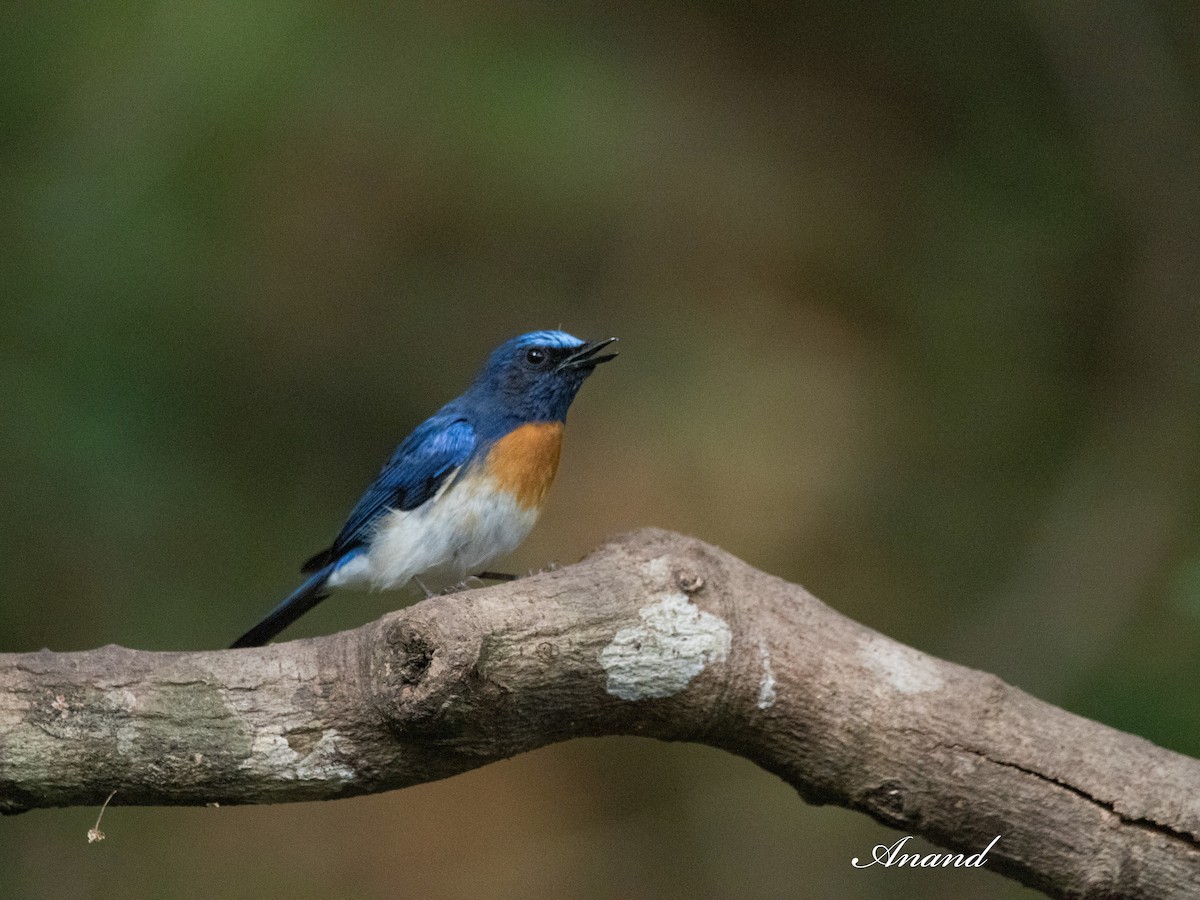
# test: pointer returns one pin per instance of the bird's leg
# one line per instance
(421, 585)
(495, 576)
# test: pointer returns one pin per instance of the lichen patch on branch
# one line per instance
(904, 669)
(766, 687)
(660, 656)
(274, 756)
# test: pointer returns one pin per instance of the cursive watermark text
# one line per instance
(892, 855)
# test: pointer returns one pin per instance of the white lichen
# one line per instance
(903, 668)
(271, 754)
(766, 687)
(323, 762)
(657, 572)
(660, 656)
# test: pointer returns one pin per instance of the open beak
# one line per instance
(588, 356)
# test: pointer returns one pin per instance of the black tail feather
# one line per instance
(318, 561)
(296, 604)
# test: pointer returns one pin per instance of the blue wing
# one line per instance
(418, 468)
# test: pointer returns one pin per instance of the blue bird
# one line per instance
(464, 488)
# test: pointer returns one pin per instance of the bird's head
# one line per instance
(534, 377)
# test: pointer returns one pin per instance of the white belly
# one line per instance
(454, 534)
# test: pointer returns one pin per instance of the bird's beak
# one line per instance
(585, 357)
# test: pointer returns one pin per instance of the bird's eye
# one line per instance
(535, 356)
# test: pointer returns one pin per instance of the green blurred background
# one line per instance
(908, 300)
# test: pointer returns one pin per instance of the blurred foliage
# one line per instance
(908, 302)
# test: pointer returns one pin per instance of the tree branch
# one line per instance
(654, 634)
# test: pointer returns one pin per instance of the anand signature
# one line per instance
(893, 855)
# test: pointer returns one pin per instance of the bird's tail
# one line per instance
(293, 606)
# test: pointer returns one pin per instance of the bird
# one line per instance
(465, 487)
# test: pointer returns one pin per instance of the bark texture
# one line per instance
(653, 634)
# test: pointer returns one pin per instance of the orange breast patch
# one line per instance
(525, 460)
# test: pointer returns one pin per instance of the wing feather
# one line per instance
(414, 474)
